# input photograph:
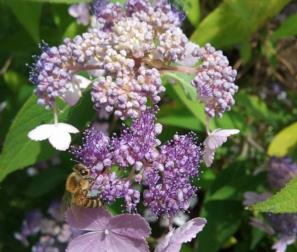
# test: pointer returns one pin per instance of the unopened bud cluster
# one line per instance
(123, 54)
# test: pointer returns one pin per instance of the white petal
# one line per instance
(41, 132)
(67, 128)
(72, 95)
(208, 156)
(281, 245)
(81, 81)
(60, 139)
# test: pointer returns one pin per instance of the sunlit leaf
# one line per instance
(234, 21)
(287, 29)
(284, 141)
(285, 201)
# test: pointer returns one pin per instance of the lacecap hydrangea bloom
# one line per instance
(283, 226)
(120, 61)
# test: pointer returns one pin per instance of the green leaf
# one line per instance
(186, 122)
(46, 182)
(284, 141)
(287, 29)
(185, 80)
(255, 107)
(285, 201)
(223, 219)
(232, 182)
(192, 9)
(234, 21)
(28, 14)
(19, 151)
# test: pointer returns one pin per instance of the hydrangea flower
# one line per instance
(51, 232)
(213, 141)
(173, 241)
(80, 12)
(58, 134)
(215, 81)
(168, 178)
(126, 232)
(280, 172)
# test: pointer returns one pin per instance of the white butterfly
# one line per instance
(214, 140)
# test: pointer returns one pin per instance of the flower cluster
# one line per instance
(164, 170)
(52, 233)
(168, 177)
(284, 226)
(214, 81)
(281, 171)
(123, 53)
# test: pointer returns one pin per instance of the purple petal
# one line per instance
(130, 225)
(91, 242)
(119, 243)
(173, 241)
(90, 219)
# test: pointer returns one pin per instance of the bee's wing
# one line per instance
(66, 201)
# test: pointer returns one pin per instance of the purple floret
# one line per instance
(95, 151)
(280, 172)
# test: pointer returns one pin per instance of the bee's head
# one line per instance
(81, 169)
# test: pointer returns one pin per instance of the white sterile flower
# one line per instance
(73, 93)
(281, 245)
(214, 140)
(58, 134)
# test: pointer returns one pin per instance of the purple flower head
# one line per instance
(214, 81)
(30, 226)
(52, 74)
(110, 188)
(171, 9)
(80, 12)
(283, 224)
(126, 232)
(168, 178)
(107, 13)
(51, 233)
(129, 93)
(94, 152)
(138, 143)
(181, 156)
(280, 172)
(133, 6)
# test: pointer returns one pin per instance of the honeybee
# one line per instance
(78, 184)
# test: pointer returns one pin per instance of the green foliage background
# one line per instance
(259, 38)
